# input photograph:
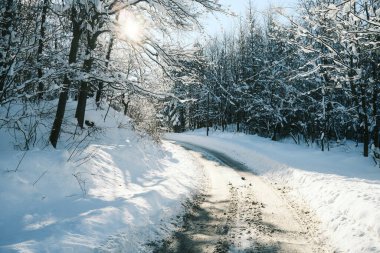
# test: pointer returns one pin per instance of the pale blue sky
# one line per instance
(216, 23)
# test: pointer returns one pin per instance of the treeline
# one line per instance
(314, 78)
(109, 50)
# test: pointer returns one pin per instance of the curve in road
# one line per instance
(239, 212)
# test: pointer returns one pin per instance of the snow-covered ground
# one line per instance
(112, 196)
(118, 190)
(341, 187)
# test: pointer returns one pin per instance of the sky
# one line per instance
(215, 23)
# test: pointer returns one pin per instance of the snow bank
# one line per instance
(341, 186)
(112, 196)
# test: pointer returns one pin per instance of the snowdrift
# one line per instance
(110, 190)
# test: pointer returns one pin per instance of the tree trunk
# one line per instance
(40, 49)
(83, 90)
(238, 118)
(125, 104)
(366, 137)
(376, 118)
(323, 142)
(5, 44)
(375, 102)
(81, 106)
(108, 57)
(99, 94)
(365, 120)
(208, 113)
(63, 96)
(355, 97)
(274, 137)
(54, 134)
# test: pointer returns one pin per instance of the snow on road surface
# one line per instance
(239, 212)
(340, 187)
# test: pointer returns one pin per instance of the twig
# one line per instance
(38, 179)
(19, 162)
(76, 147)
(81, 182)
(109, 106)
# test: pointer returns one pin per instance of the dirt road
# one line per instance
(239, 212)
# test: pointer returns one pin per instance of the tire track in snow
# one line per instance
(239, 212)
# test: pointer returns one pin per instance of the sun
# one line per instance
(131, 27)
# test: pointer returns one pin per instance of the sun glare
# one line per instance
(131, 27)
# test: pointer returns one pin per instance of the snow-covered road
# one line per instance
(340, 189)
(239, 212)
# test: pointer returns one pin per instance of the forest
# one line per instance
(313, 77)
(140, 126)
